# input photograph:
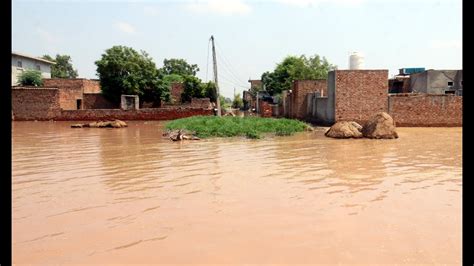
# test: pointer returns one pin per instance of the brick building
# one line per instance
(298, 97)
(351, 95)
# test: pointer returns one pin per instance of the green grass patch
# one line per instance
(228, 126)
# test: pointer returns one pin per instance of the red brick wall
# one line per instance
(298, 98)
(424, 110)
(97, 101)
(141, 114)
(360, 94)
(200, 103)
(70, 90)
(265, 109)
(35, 103)
(68, 98)
(176, 90)
(91, 86)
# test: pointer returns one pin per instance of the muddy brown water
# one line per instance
(127, 195)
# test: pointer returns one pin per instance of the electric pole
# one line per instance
(218, 101)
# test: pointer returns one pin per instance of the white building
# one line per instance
(22, 62)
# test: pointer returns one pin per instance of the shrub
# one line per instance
(31, 78)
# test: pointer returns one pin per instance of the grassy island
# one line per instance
(228, 126)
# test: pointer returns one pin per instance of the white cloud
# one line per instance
(125, 27)
(446, 44)
(221, 7)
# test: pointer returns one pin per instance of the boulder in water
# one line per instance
(344, 130)
(380, 126)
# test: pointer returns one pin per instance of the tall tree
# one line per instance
(179, 67)
(122, 70)
(237, 102)
(295, 68)
(63, 67)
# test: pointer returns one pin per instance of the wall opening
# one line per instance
(79, 104)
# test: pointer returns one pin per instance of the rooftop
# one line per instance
(33, 57)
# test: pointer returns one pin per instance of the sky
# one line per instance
(251, 36)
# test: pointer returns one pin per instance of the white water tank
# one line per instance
(356, 61)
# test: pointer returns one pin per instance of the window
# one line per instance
(19, 64)
(450, 83)
(449, 92)
(38, 67)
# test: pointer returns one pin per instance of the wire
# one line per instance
(227, 65)
(230, 81)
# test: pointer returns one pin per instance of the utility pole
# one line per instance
(218, 101)
(256, 98)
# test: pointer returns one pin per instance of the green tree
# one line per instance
(165, 82)
(237, 102)
(295, 68)
(210, 91)
(179, 67)
(223, 101)
(192, 88)
(31, 78)
(122, 70)
(63, 67)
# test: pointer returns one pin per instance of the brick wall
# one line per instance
(91, 86)
(425, 110)
(64, 83)
(97, 101)
(141, 114)
(35, 103)
(71, 90)
(68, 98)
(265, 109)
(201, 103)
(176, 90)
(298, 97)
(359, 94)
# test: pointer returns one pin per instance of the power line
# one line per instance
(232, 76)
(227, 64)
(230, 81)
(233, 85)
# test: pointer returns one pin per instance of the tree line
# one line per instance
(123, 70)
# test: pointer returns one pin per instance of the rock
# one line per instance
(182, 135)
(122, 124)
(344, 130)
(113, 124)
(380, 126)
(93, 124)
(309, 128)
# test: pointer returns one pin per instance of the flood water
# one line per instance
(128, 195)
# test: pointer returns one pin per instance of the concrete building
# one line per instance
(22, 62)
(437, 82)
(255, 84)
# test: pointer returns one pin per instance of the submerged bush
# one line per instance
(252, 134)
(251, 127)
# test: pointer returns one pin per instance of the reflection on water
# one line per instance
(130, 196)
